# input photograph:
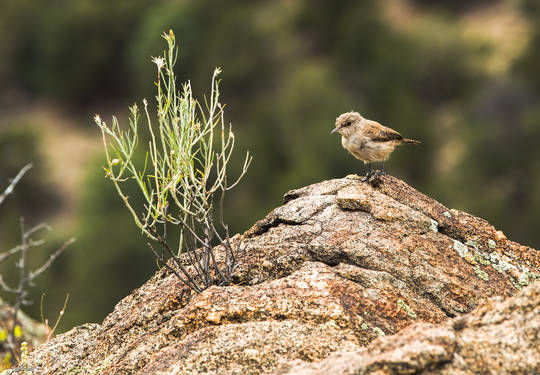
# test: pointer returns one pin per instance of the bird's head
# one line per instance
(347, 123)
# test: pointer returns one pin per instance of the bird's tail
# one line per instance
(410, 141)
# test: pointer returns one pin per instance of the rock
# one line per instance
(499, 337)
(338, 265)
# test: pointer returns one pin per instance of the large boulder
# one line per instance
(338, 265)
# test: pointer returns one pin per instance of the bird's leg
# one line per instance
(375, 172)
(369, 170)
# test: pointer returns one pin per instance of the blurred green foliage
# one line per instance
(110, 249)
(34, 198)
(289, 68)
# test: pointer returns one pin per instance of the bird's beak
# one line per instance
(333, 131)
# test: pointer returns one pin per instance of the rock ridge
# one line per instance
(339, 265)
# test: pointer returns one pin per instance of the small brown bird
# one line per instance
(368, 140)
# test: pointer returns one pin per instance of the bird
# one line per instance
(367, 140)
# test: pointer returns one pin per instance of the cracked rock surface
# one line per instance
(324, 276)
(499, 337)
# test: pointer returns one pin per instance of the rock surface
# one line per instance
(340, 264)
(499, 337)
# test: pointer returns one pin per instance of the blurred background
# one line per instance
(462, 76)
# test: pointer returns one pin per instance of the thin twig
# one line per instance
(9, 253)
(14, 182)
(185, 272)
(60, 315)
(52, 257)
(188, 281)
(6, 287)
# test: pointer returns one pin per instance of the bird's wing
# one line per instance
(380, 133)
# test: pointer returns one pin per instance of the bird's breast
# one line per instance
(367, 150)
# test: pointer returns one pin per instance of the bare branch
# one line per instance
(24, 278)
(52, 257)
(6, 287)
(14, 182)
(9, 253)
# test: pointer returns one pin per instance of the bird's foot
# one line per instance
(374, 173)
(373, 177)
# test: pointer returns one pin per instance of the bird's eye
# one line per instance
(348, 123)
